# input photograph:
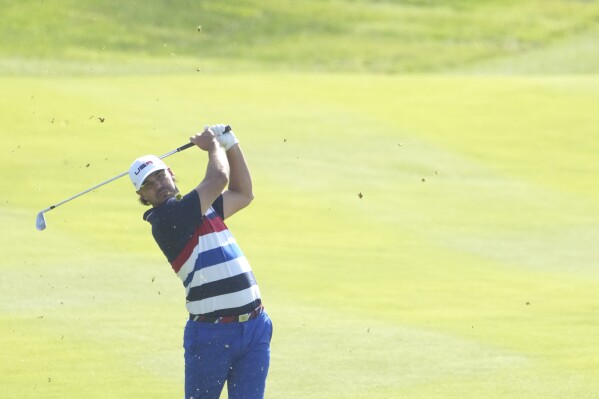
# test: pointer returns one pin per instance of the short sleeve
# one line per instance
(174, 223)
(217, 205)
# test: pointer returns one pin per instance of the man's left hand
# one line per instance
(218, 130)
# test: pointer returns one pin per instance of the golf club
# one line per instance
(40, 221)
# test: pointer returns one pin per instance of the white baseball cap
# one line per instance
(142, 167)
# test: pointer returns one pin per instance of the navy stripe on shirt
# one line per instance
(214, 257)
(222, 287)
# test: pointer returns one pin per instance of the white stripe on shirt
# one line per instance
(232, 300)
(206, 243)
(219, 272)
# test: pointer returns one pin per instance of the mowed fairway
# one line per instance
(413, 237)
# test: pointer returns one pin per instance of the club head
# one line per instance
(40, 222)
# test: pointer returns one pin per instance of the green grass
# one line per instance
(465, 270)
(104, 37)
(577, 54)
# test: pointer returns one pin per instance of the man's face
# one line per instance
(158, 187)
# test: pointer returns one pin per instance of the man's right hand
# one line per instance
(205, 139)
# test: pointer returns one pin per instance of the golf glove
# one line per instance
(227, 140)
(218, 130)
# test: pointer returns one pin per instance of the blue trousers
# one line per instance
(238, 353)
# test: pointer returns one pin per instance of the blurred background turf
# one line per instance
(389, 36)
(426, 207)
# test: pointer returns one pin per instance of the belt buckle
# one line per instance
(244, 317)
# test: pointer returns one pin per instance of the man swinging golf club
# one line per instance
(227, 336)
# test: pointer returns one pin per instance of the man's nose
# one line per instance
(161, 184)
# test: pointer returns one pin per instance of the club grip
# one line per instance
(184, 147)
(189, 145)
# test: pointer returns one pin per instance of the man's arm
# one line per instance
(217, 172)
(239, 193)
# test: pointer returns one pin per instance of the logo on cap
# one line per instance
(142, 167)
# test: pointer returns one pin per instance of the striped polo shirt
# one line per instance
(202, 251)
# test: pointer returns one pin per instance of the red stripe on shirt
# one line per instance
(208, 226)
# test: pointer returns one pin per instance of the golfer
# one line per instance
(227, 337)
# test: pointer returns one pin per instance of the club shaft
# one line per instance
(41, 223)
(183, 147)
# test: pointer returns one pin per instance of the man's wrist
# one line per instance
(213, 145)
(227, 140)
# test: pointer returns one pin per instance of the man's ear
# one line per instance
(171, 172)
